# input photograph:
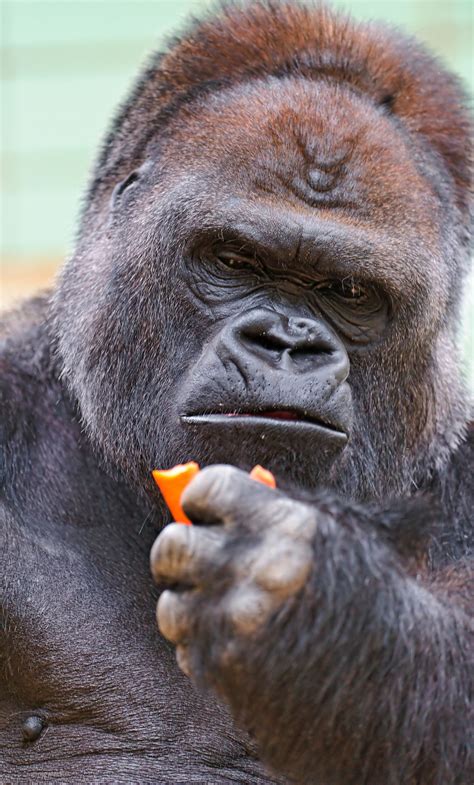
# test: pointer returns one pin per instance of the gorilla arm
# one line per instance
(345, 664)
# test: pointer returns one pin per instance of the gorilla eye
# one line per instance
(348, 289)
(236, 261)
(359, 311)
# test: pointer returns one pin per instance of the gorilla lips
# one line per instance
(272, 415)
(172, 483)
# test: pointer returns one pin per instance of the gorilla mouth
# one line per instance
(287, 417)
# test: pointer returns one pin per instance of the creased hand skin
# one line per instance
(377, 636)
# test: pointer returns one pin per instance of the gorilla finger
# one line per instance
(186, 554)
(183, 660)
(174, 615)
(283, 567)
(248, 608)
(224, 494)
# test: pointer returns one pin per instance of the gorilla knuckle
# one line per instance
(173, 616)
(248, 608)
(284, 568)
(294, 519)
(221, 478)
(184, 660)
(170, 550)
(213, 487)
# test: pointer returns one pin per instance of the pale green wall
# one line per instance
(67, 63)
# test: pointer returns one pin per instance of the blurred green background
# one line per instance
(66, 64)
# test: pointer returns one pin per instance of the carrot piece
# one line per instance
(172, 483)
(263, 475)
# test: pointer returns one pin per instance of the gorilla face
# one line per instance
(262, 289)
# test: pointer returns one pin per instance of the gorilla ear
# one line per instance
(122, 186)
(131, 180)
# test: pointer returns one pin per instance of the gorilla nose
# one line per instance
(292, 343)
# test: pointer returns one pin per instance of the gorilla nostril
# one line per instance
(271, 343)
(280, 339)
(263, 336)
(301, 324)
(307, 350)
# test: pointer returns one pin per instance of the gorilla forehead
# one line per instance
(317, 145)
(292, 164)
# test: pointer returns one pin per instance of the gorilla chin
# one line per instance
(295, 450)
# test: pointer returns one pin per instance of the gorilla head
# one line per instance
(270, 260)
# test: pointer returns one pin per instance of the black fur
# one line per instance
(330, 155)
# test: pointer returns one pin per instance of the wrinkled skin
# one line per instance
(274, 564)
(269, 269)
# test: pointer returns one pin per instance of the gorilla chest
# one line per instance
(90, 692)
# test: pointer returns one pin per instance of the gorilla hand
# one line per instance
(308, 622)
(237, 574)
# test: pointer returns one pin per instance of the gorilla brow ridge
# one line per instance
(252, 40)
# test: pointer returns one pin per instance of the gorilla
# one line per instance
(268, 269)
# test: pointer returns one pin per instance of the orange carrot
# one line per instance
(172, 483)
(263, 475)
